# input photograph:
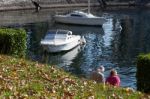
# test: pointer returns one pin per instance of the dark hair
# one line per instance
(113, 72)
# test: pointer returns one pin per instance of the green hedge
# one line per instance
(13, 42)
(143, 72)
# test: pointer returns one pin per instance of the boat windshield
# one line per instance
(50, 36)
(58, 34)
(76, 15)
(62, 32)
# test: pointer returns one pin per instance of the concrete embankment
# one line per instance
(27, 4)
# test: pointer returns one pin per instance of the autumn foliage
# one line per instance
(22, 79)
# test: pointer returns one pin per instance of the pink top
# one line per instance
(113, 80)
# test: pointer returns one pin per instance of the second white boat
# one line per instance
(80, 18)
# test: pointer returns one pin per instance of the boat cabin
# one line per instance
(58, 34)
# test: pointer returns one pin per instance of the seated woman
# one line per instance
(98, 75)
(113, 78)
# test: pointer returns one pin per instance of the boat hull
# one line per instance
(80, 21)
(62, 47)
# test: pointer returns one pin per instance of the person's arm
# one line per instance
(117, 81)
(103, 78)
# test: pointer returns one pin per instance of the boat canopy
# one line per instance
(57, 34)
(82, 14)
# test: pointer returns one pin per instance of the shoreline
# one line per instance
(14, 7)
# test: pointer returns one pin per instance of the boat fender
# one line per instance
(82, 40)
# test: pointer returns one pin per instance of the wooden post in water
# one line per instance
(37, 5)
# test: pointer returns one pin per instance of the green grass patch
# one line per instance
(22, 79)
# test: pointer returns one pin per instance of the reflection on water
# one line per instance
(108, 26)
(115, 45)
(63, 59)
(79, 29)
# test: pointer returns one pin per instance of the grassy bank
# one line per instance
(24, 79)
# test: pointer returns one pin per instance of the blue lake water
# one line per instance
(116, 44)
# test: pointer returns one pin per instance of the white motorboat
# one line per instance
(81, 18)
(60, 40)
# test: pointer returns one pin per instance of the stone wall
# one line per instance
(27, 4)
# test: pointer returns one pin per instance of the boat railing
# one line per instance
(61, 34)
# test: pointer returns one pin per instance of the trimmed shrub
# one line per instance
(143, 73)
(13, 42)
